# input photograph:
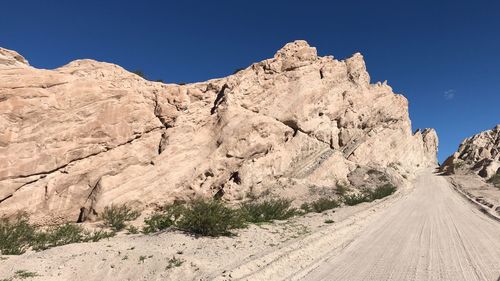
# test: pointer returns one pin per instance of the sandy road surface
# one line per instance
(430, 234)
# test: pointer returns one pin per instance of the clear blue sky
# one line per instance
(444, 56)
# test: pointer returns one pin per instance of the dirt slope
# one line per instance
(431, 234)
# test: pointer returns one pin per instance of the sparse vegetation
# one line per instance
(382, 191)
(329, 221)
(355, 199)
(97, 235)
(174, 262)
(132, 230)
(269, 210)
(66, 234)
(16, 235)
(320, 205)
(458, 164)
(116, 216)
(369, 195)
(342, 189)
(139, 73)
(214, 218)
(495, 180)
(209, 218)
(23, 274)
(57, 236)
(164, 218)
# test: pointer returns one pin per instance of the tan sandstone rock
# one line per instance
(83, 136)
(479, 154)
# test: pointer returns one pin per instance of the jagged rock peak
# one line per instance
(479, 153)
(299, 50)
(9, 59)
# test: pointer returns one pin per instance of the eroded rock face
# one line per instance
(11, 59)
(479, 154)
(90, 134)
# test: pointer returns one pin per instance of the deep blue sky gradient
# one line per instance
(444, 56)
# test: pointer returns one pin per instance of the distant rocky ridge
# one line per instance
(479, 154)
(90, 134)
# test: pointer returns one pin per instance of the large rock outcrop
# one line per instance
(89, 134)
(479, 154)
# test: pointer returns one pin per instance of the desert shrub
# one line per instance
(320, 205)
(495, 180)
(342, 189)
(306, 207)
(66, 234)
(458, 164)
(174, 262)
(209, 218)
(382, 191)
(57, 236)
(15, 235)
(354, 199)
(373, 172)
(164, 218)
(368, 195)
(139, 73)
(329, 221)
(97, 235)
(156, 222)
(116, 216)
(23, 274)
(132, 230)
(18, 235)
(269, 210)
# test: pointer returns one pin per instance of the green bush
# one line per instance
(269, 210)
(495, 180)
(382, 191)
(209, 218)
(23, 274)
(369, 195)
(458, 164)
(320, 205)
(174, 262)
(342, 189)
(16, 235)
(57, 236)
(132, 230)
(164, 218)
(66, 234)
(354, 199)
(97, 235)
(139, 73)
(116, 216)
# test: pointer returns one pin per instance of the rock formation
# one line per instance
(479, 154)
(90, 134)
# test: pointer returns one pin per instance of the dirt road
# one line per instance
(430, 234)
